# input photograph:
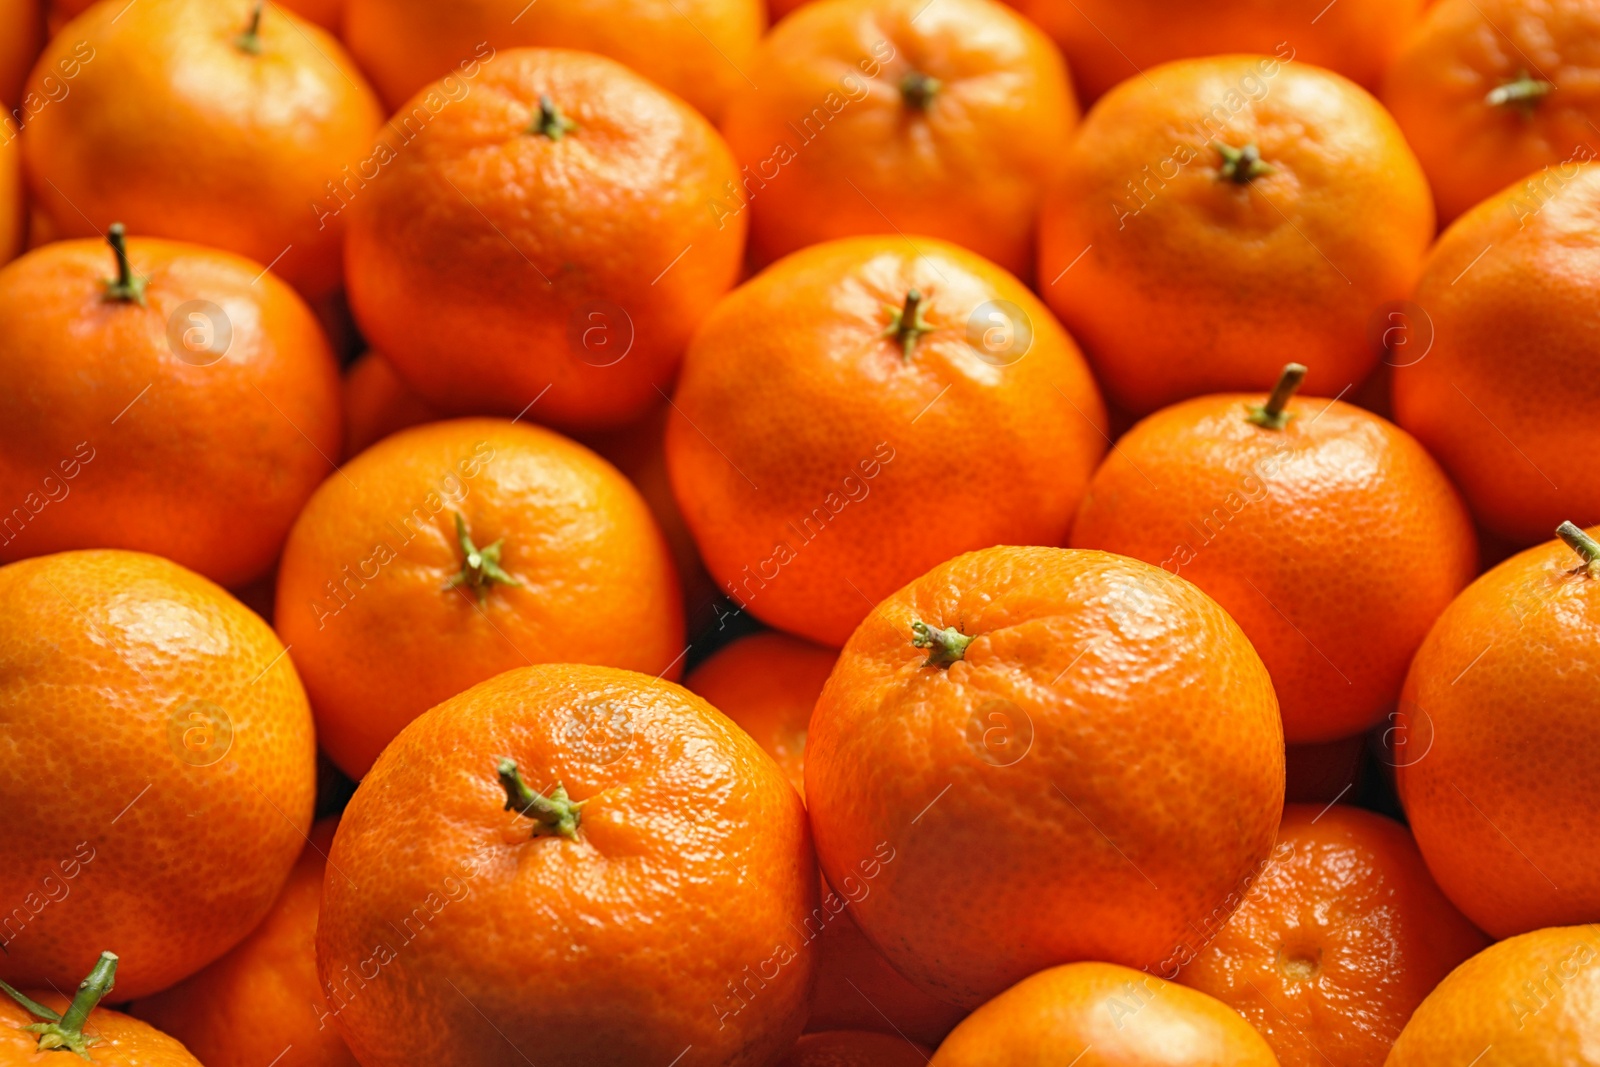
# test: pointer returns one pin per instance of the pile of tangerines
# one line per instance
(856, 533)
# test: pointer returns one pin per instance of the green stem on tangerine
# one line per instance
(1273, 414)
(1584, 545)
(1241, 165)
(551, 122)
(480, 567)
(250, 39)
(944, 646)
(918, 89)
(126, 287)
(906, 324)
(1524, 91)
(556, 813)
(65, 1031)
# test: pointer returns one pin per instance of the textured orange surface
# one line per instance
(1338, 942)
(172, 128)
(1508, 388)
(1106, 1016)
(1103, 769)
(493, 262)
(1189, 283)
(1334, 542)
(123, 1040)
(834, 148)
(821, 468)
(261, 1003)
(160, 769)
(363, 590)
(1501, 716)
(667, 927)
(109, 439)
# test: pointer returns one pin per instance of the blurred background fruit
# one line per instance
(204, 121)
(886, 115)
(21, 37)
(1103, 729)
(701, 50)
(658, 887)
(547, 239)
(161, 768)
(865, 409)
(390, 612)
(377, 403)
(13, 203)
(1509, 386)
(855, 1048)
(1219, 216)
(179, 400)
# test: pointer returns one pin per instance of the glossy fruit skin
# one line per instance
(1506, 388)
(1334, 542)
(692, 861)
(1109, 41)
(1337, 942)
(820, 468)
(1084, 667)
(695, 49)
(1107, 1016)
(175, 130)
(262, 999)
(1179, 282)
(768, 684)
(377, 403)
(124, 1040)
(203, 459)
(391, 638)
(122, 677)
(1533, 998)
(831, 147)
(855, 1048)
(1465, 49)
(586, 289)
(1503, 713)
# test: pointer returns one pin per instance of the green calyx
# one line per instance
(64, 1032)
(1273, 414)
(1523, 92)
(1584, 545)
(944, 646)
(918, 90)
(906, 324)
(126, 287)
(553, 814)
(1241, 165)
(480, 567)
(550, 122)
(250, 39)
